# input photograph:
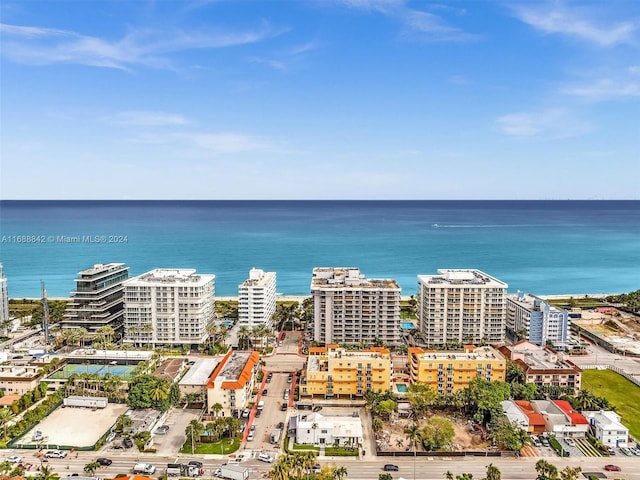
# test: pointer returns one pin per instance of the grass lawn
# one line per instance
(620, 392)
(341, 452)
(221, 447)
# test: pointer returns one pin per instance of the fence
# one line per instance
(614, 368)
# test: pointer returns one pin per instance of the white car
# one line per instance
(14, 459)
(55, 454)
(263, 457)
(144, 468)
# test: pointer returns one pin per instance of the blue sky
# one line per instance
(344, 99)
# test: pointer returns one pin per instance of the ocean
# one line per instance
(541, 247)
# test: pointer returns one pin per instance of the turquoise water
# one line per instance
(407, 325)
(401, 387)
(102, 370)
(543, 247)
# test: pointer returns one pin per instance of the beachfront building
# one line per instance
(257, 299)
(349, 308)
(333, 372)
(168, 307)
(449, 371)
(318, 429)
(19, 379)
(543, 366)
(607, 428)
(461, 307)
(4, 303)
(98, 299)
(231, 383)
(533, 319)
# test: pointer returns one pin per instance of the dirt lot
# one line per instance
(393, 434)
(77, 427)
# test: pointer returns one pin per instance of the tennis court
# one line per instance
(124, 371)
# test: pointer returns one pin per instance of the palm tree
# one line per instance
(160, 391)
(46, 473)
(414, 435)
(376, 424)
(493, 473)
(5, 467)
(5, 415)
(243, 336)
(194, 430)
(91, 468)
(340, 472)
(216, 408)
(280, 471)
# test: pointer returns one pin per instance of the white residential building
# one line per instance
(257, 299)
(4, 301)
(348, 308)
(535, 320)
(461, 306)
(168, 307)
(317, 429)
(607, 428)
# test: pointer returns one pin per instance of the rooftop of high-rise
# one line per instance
(340, 277)
(456, 277)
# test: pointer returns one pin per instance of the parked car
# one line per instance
(389, 467)
(245, 413)
(570, 442)
(283, 407)
(144, 468)
(265, 392)
(544, 441)
(536, 441)
(263, 457)
(612, 468)
(289, 378)
(14, 459)
(317, 468)
(104, 461)
(195, 463)
(269, 377)
(55, 454)
(317, 408)
(162, 429)
(280, 425)
(127, 442)
(250, 436)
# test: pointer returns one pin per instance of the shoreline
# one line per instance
(300, 298)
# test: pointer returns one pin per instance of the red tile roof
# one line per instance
(534, 417)
(576, 417)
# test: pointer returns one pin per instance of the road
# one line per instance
(426, 468)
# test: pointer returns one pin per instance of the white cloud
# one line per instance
(550, 123)
(604, 89)
(147, 119)
(151, 48)
(458, 80)
(576, 23)
(418, 24)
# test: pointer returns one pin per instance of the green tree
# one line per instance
(507, 435)
(437, 433)
(385, 476)
(340, 472)
(376, 425)
(546, 471)
(421, 397)
(5, 416)
(413, 434)
(493, 473)
(570, 473)
(46, 473)
(122, 423)
(193, 432)
(386, 407)
(91, 468)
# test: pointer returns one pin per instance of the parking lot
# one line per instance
(172, 441)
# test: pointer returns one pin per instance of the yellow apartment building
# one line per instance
(449, 371)
(333, 372)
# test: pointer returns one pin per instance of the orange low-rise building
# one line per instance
(232, 382)
(449, 371)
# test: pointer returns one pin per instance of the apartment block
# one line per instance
(19, 379)
(98, 299)
(333, 372)
(449, 371)
(232, 382)
(461, 306)
(543, 366)
(349, 308)
(168, 307)
(533, 319)
(257, 299)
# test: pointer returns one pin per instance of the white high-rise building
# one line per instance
(4, 300)
(535, 320)
(257, 299)
(168, 307)
(461, 306)
(349, 308)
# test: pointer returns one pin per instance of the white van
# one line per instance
(260, 404)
